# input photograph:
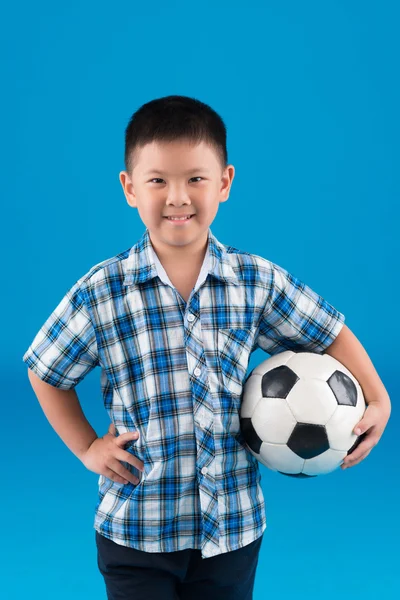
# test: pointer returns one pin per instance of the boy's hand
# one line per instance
(372, 425)
(112, 429)
(104, 455)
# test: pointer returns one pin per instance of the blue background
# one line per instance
(309, 92)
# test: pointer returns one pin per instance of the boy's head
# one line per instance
(176, 164)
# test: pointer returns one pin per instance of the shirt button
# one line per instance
(191, 318)
(197, 372)
(204, 470)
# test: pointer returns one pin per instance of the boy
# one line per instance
(172, 323)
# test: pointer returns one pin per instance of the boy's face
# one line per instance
(189, 181)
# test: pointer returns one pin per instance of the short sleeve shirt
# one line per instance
(174, 371)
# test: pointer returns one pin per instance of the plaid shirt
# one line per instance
(174, 371)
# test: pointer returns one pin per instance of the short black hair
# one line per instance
(171, 118)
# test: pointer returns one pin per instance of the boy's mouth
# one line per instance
(178, 219)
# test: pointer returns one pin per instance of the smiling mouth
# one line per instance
(179, 218)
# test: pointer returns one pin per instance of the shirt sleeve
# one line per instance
(65, 349)
(296, 318)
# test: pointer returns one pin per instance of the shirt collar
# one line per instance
(141, 264)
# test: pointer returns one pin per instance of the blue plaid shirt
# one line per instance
(174, 371)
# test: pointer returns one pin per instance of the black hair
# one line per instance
(171, 118)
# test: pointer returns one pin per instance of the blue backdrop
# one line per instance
(309, 92)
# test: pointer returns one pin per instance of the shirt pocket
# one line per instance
(234, 349)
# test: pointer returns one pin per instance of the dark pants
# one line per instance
(131, 574)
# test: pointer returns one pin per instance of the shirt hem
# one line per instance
(119, 542)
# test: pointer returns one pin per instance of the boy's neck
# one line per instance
(184, 257)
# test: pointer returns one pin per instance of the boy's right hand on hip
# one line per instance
(104, 455)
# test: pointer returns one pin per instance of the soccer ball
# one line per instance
(298, 413)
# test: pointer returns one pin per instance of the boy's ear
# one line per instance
(227, 178)
(127, 186)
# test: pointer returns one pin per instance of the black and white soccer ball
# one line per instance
(298, 413)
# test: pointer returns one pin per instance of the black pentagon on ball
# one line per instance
(254, 442)
(308, 440)
(250, 435)
(278, 382)
(343, 388)
(358, 441)
(300, 475)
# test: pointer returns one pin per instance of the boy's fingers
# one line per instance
(116, 466)
(120, 477)
(122, 439)
(131, 459)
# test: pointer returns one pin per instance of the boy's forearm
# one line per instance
(65, 415)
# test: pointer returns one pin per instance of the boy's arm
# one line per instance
(65, 415)
(295, 317)
(349, 351)
(64, 350)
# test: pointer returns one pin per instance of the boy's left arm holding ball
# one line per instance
(348, 350)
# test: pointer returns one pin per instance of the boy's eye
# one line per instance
(159, 179)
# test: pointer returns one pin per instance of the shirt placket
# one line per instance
(203, 412)
(204, 426)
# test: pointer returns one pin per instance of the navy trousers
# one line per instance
(131, 574)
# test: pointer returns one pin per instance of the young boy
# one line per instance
(172, 322)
